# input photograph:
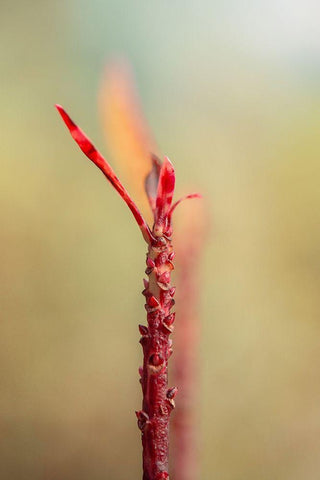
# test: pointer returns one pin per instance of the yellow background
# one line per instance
(231, 91)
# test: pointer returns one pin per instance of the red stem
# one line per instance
(158, 400)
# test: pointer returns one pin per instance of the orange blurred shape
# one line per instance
(190, 238)
(127, 134)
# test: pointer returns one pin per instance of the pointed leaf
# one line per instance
(174, 206)
(182, 199)
(95, 156)
(164, 194)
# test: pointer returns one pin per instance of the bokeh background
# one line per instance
(231, 91)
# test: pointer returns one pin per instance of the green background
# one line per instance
(231, 92)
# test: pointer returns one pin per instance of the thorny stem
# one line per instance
(158, 400)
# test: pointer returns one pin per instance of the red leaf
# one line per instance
(185, 197)
(95, 156)
(164, 195)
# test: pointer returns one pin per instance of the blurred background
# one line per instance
(231, 92)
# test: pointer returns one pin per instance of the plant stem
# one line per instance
(158, 400)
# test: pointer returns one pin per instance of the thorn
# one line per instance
(170, 319)
(172, 392)
(167, 328)
(145, 283)
(153, 302)
(150, 262)
(143, 419)
(148, 270)
(172, 291)
(169, 302)
(172, 303)
(141, 415)
(140, 371)
(143, 330)
(171, 255)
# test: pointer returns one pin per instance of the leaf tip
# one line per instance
(65, 117)
(60, 109)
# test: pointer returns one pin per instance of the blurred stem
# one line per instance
(189, 245)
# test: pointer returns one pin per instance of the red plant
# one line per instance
(190, 239)
(158, 399)
(130, 143)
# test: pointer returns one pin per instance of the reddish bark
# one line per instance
(158, 400)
